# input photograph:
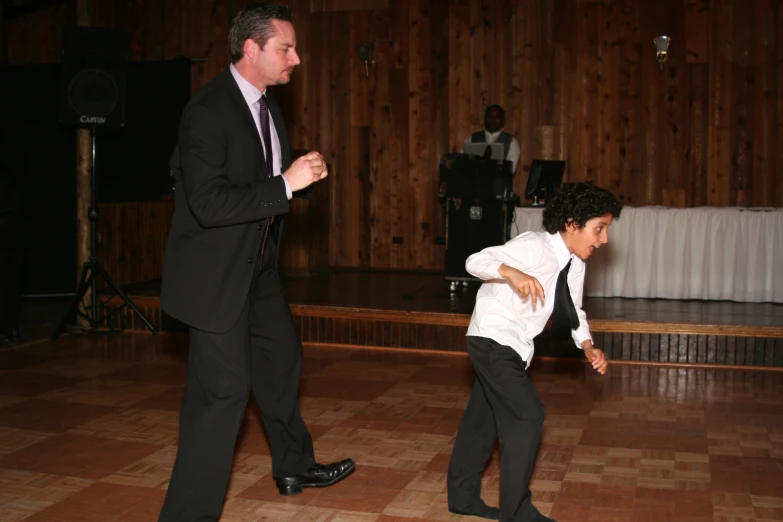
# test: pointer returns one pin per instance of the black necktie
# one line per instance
(564, 318)
(266, 135)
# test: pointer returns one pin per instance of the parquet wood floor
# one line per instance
(88, 432)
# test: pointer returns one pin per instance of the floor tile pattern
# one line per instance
(88, 432)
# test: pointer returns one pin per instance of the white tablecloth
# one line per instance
(708, 253)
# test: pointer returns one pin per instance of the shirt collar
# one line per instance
(249, 91)
(561, 250)
(493, 135)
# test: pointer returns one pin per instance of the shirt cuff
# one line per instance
(288, 192)
(580, 335)
(493, 267)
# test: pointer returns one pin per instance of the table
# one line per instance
(708, 253)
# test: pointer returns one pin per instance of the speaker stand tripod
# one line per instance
(91, 271)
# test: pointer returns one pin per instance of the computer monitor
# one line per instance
(480, 149)
(544, 179)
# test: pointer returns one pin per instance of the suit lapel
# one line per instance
(282, 131)
(244, 110)
(250, 124)
(285, 151)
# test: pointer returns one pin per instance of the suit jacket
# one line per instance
(223, 196)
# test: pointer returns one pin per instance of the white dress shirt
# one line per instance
(252, 96)
(501, 313)
(513, 148)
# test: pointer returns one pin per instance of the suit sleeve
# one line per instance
(285, 142)
(305, 193)
(213, 199)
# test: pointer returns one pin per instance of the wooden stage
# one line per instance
(419, 311)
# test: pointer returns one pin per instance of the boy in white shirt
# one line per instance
(519, 294)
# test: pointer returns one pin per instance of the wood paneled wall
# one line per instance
(132, 239)
(578, 79)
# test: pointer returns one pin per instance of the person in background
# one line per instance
(494, 121)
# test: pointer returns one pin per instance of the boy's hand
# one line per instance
(596, 358)
(526, 285)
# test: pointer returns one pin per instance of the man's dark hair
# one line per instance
(255, 22)
(579, 202)
(496, 107)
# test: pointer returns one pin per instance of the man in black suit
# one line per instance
(234, 178)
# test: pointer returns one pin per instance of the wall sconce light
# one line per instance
(661, 48)
(366, 51)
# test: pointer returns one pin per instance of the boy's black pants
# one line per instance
(503, 404)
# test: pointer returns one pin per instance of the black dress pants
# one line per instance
(503, 404)
(262, 352)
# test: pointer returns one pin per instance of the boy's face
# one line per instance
(582, 242)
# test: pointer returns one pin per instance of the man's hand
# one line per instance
(305, 171)
(526, 285)
(596, 357)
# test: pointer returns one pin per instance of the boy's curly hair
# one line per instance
(579, 202)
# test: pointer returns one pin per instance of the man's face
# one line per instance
(276, 61)
(582, 242)
(494, 120)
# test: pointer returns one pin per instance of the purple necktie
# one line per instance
(266, 134)
(267, 137)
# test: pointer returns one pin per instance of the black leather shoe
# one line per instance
(318, 476)
(481, 511)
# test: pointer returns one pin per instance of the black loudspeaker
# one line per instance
(471, 226)
(93, 74)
